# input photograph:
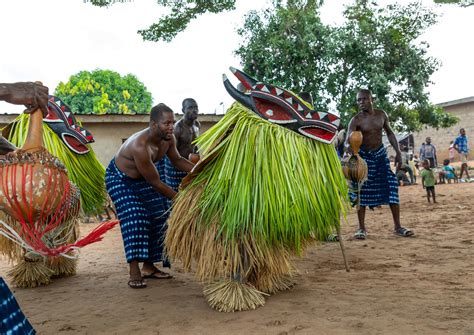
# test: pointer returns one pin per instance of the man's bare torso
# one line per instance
(186, 136)
(371, 125)
(124, 159)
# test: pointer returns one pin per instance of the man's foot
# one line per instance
(157, 274)
(332, 238)
(360, 234)
(404, 232)
(137, 283)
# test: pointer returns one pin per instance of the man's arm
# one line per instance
(178, 161)
(393, 140)
(147, 169)
(456, 145)
(350, 128)
(32, 95)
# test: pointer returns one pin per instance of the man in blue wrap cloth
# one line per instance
(140, 196)
(381, 186)
(186, 131)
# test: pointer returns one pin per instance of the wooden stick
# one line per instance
(343, 249)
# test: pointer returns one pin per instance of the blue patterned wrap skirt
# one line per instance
(173, 175)
(142, 212)
(381, 186)
(12, 319)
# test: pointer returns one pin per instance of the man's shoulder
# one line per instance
(380, 112)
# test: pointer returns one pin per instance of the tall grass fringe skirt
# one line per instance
(381, 186)
(173, 175)
(12, 319)
(142, 212)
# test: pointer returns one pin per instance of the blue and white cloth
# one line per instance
(381, 186)
(173, 176)
(142, 212)
(12, 319)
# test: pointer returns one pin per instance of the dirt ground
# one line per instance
(419, 285)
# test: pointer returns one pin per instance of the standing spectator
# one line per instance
(461, 146)
(406, 163)
(428, 151)
(451, 151)
(428, 180)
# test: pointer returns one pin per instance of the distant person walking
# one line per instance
(461, 146)
(428, 151)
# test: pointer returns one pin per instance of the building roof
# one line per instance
(457, 102)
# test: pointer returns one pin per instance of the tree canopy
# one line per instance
(376, 48)
(462, 3)
(104, 92)
(181, 13)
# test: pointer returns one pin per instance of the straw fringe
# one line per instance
(262, 194)
(30, 272)
(8, 248)
(231, 296)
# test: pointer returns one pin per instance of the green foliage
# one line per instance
(104, 92)
(181, 13)
(376, 47)
(462, 3)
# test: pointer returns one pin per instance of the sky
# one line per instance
(50, 40)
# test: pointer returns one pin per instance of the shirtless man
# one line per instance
(185, 130)
(381, 186)
(32, 95)
(141, 197)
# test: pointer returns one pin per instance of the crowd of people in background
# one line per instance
(413, 165)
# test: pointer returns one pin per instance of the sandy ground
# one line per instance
(420, 285)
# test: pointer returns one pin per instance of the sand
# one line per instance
(420, 285)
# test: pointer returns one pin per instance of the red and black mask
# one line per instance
(284, 108)
(61, 120)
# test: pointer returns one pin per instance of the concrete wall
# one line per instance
(464, 110)
(111, 130)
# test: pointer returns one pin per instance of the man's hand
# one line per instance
(348, 151)
(398, 160)
(32, 95)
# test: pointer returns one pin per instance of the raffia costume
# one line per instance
(269, 182)
(39, 230)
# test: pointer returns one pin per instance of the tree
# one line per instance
(376, 47)
(181, 13)
(104, 92)
(462, 3)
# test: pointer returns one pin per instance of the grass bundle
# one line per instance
(62, 266)
(30, 272)
(83, 170)
(262, 193)
(231, 296)
(11, 250)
